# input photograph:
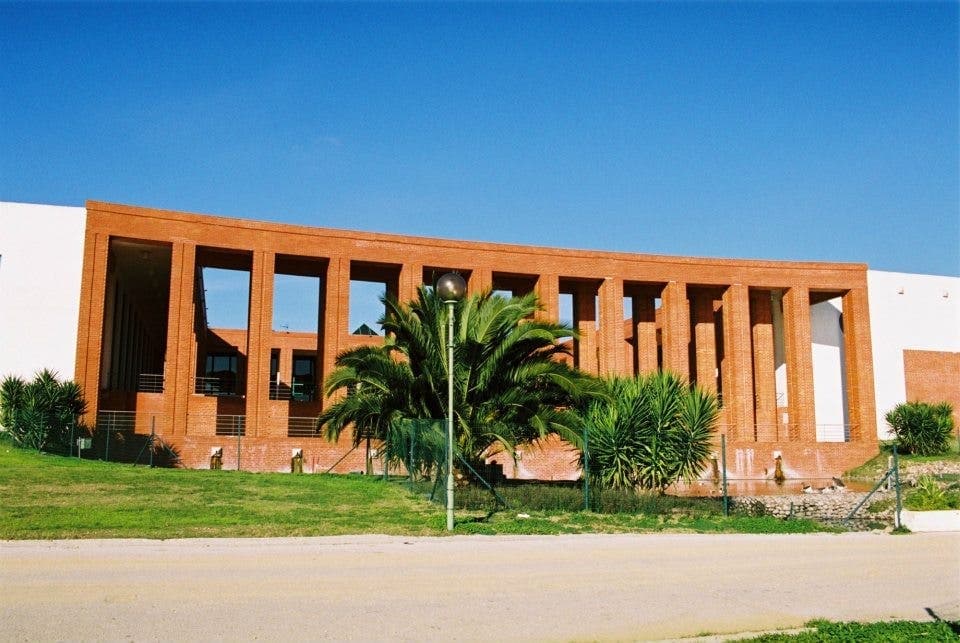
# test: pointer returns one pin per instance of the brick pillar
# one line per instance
(764, 366)
(738, 362)
(285, 368)
(179, 370)
(411, 278)
(336, 312)
(645, 334)
(613, 358)
(799, 354)
(259, 334)
(584, 320)
(858, 351)
(481, 280)
(93, 285)
(705, 342)
(548, 293)
(675, 329)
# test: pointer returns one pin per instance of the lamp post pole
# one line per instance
(450, 288)
(450, 305)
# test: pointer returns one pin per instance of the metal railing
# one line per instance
(787, 432)
(116, 420)
(298, 391)
(279, 391)
(231, 425)
(303, 427)
(150, 383)
(214, 386)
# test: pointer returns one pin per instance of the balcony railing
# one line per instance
(215, 386)
(231, 425)
(150, 383)
(298, 391)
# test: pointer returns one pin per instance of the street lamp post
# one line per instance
(450, 288)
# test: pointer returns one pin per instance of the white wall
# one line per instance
(908, 311)
(41, 257)
(829, 390)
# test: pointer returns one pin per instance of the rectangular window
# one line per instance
(220, 374)
(304, 379)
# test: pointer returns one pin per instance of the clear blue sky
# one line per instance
(768, 130)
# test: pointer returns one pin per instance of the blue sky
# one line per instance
(763, 130)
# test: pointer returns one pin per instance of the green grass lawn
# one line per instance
(49, 496)
(890, 632)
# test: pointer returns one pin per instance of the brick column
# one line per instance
(675, 329)
(93, 285)
(179, 370)
(764, 366)
(858, 351)
(259, 333)
(613, 357)
(645, 334)
(336, 312)
(799, 354)
(584, 320)
(411, 278)
(705, 342)
(548, 292)
(737, 362)
(481, 280)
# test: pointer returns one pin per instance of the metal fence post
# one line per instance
(723, 465)
(238, 444)
(153, 431)
(106, 449)
(586, 468)
(896, 484)
(413, 436)
(70, 444)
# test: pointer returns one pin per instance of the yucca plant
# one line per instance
(921, 428)
(11, 401)
(39, 414)
(654, 431)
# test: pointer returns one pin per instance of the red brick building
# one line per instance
(148, 360)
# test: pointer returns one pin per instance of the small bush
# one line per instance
(930, 496)
(922, 428)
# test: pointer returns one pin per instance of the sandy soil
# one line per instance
(377, 588)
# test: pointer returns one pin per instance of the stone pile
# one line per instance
(831, 507)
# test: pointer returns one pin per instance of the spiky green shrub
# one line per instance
(929, 495)
(921, 428)
(653, 431)
(40, 413)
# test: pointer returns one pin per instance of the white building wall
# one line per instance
(829, 390)
(41, 258)
(908, 312)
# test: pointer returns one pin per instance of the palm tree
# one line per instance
(510, 387)
(654, 431)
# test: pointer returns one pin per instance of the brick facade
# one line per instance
(709, 320)
(933, 376)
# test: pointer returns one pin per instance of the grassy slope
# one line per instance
(46, 496)
(874, 468)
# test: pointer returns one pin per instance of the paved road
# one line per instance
(561, 588)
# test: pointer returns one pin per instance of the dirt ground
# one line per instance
(469, 588)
